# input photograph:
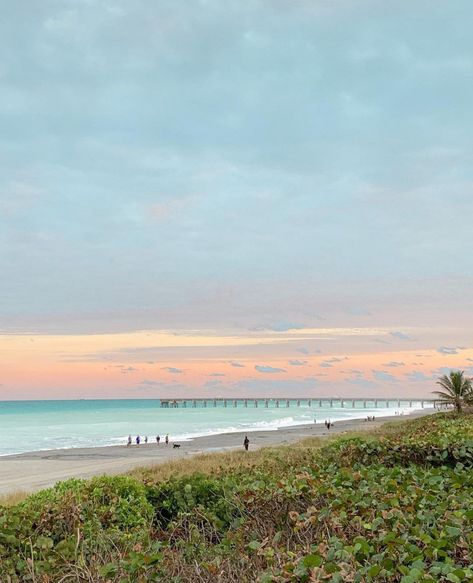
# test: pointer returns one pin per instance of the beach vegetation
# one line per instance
(391, 505)
(457, 390)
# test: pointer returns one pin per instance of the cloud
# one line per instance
(236, 364)
(382, 375)
(400, 335)
(448, 349)
(217, 374)
(239, 77)
(418, 376)
(394, 363)
(470, 359)
(442, 370)
(302, 350)
(150, 383)
(167, 387)
(361, 382)
(213, 383)
(298, 362)
(280, 327)
(328, 363)
(172, 369)
(274, 388)
(129, 369)
(124, 369)
(319, 317)
(268, 369)
(305, 350)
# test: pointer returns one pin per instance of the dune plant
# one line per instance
(457, 390)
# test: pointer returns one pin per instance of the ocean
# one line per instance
(43, 425)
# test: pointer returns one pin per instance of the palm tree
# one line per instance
(458, 390)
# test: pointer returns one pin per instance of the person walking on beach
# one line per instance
(246, 443)
(166, 439)
(158, 439)
(146, 439)
(138, 439)
(128, 443)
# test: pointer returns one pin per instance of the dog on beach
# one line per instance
(176, 445)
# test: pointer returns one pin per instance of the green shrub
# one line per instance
(213, 498)
(75, 518)
(442, 441)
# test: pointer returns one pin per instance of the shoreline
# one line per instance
(36, 470)
(192, 436)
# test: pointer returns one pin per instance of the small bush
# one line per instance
(212, 497)
(442, 441)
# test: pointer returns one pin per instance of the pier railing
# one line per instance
(279, 402)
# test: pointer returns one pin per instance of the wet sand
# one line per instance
(36, 470)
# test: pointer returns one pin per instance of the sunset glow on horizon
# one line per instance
(150, 364)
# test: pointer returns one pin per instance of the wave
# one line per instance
(303, 416)
(276, 424)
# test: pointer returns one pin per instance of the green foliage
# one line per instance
(213, 498)
(72, 522)
(443, 441)
(394, 507)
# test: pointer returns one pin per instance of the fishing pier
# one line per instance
(279, 402)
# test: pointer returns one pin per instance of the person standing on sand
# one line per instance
(167, 439)
(138, 440)
(246, 443)
(128, 443)
(158, 439)
(146, 439)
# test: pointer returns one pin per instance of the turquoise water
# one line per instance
(38, 425)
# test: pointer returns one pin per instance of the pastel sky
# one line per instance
(222, 197)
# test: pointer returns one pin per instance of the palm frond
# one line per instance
(446, 396)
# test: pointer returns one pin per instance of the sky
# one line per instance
(235, 198)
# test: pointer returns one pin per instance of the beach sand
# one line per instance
(36, 470)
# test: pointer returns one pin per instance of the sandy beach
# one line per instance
(36, 470)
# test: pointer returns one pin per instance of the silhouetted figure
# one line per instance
(128, 443)
(166, 439)
(246, 443)
(158, 439)
(138, 440)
